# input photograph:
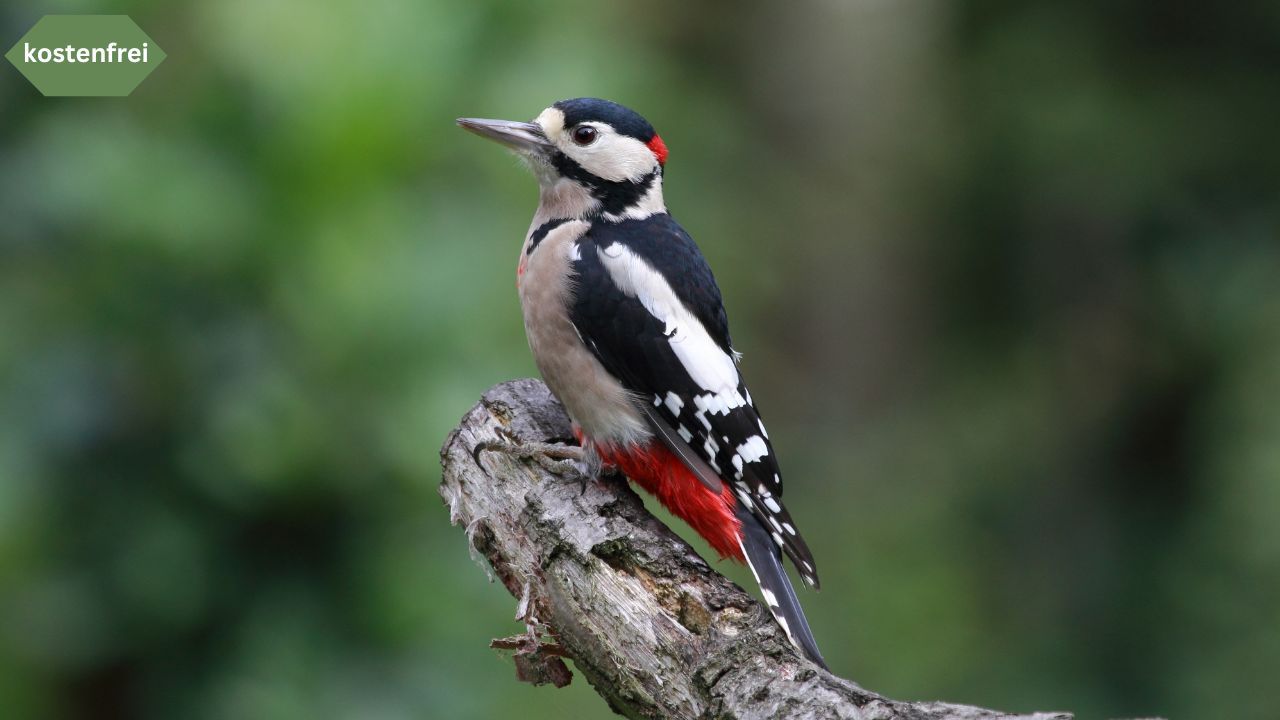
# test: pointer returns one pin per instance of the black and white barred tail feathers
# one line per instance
(648, 307)
(766, 564)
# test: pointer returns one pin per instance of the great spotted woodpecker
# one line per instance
(627, 328)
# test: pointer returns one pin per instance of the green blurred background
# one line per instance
(1007, 278)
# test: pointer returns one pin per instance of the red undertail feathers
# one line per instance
(656, 469)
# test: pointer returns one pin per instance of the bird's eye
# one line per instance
(584, 134)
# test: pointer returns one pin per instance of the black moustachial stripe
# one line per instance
(614, 196)
(541, 232)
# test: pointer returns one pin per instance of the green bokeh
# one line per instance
(1005, 275)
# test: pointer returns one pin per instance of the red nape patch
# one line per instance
(659, 149)
(657, 470)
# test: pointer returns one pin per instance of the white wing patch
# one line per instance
(711, 368)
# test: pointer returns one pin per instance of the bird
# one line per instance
(628, 329)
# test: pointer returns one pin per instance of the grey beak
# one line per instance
(520, 136)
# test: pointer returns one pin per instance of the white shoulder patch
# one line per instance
(710, 367)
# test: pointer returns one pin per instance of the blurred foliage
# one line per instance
(1007, 276)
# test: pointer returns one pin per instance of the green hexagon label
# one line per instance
(85, 55)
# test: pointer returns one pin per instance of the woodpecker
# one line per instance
(627, 327)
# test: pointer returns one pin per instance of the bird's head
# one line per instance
(590, 156)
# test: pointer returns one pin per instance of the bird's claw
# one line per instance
(550, 456)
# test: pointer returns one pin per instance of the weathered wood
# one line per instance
(654, 629)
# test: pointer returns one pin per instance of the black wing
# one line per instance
(648, 307)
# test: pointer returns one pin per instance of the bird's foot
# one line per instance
(556, 458)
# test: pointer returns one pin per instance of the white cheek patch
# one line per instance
(612, 156)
